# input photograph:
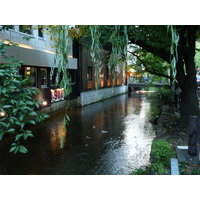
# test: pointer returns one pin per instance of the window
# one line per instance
(7, 27)
(30, 73)
(72, 76)
(43, 77)
(89, 74)
(40, 32)
(25, 29)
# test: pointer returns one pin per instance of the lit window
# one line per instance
(31, 74)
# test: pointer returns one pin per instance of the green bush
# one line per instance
(17, 107)
(163, 95)
(161, 154)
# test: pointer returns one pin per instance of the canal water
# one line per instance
(112, 137)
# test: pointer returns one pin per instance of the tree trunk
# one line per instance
(189, 99)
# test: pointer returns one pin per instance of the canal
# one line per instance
(111, 137)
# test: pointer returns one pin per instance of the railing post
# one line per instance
(192, 136)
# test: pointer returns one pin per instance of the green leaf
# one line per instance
(3, 124)
(32, 113)
(22, 125)
(17, 123)
(18, 136)
(15, 110)
(30, 135)
(4, 90)
(31, 122)
(22, 149)
(1, 135)
(13, 148)
(7, 106)
(11, 130)
(21, 117)
(30, 103)
(45, 116)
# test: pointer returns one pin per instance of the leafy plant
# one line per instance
(160, 156)
(163, 95)
(141, 172)
(17, 107)
(189, 169)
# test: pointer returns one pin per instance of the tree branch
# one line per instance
(148, 70)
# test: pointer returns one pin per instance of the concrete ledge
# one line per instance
(174, 167)
(183, 156)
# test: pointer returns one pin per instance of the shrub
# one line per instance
(163, 95)
(17, 107)
(160, 156)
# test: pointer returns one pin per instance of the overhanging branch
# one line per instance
(148, 70)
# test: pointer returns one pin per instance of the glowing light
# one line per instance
(2, 114)
(143, 91)
(44, 103)
(47, 51)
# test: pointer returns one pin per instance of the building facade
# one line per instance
(38, 56)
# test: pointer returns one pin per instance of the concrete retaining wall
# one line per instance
(58, 106)
(92, 96)
(86, 98)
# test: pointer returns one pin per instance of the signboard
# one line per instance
(57, 95)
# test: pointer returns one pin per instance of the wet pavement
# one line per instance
(112, 137)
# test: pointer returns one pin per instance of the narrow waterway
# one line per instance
(106, 138)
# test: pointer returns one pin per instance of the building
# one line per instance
(38, 56)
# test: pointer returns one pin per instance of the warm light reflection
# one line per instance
(143, 91)
(19, 44)
(57, 135)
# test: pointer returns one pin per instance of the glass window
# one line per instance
(40, 32)
(43, 77)
(7, 27)
(30, 73)
(25, 29)
(89, 74)
(72, 76)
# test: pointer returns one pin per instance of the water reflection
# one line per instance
(131, 148)
(138, 135)
(57, 136)
(123, 147)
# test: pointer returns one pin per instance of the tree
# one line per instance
(157, 40)
(17, 107)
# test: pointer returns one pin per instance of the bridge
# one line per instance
(140, 86)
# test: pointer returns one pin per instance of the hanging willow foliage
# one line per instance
(119, 42)
(95, 51)
(60, 36)
(174, 49)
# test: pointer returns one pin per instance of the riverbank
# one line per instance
(169, 129)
